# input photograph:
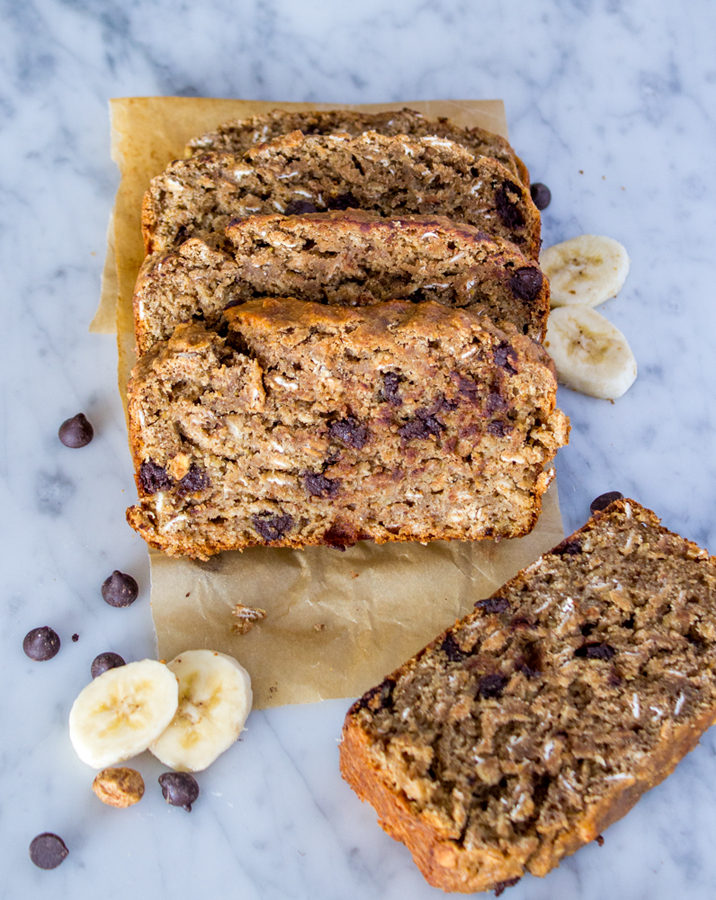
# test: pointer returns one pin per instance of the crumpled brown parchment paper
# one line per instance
(336, 623)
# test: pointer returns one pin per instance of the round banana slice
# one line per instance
(122, 711)
(214, 700)
(585, 270)
(591, 355)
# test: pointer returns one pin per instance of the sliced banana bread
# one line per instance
(531, 725)
(312, 424)
(351, 259)
(239, 135)
(297, 173)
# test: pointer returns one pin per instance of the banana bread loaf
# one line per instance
(239, 135)
(297, 173)
(351, 259)
(312, 424)
(531, 725)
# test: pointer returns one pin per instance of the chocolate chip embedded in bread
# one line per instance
(342, 202)
(492, 685)
(349, 431)
(603, 500)
(319, 486)
(595, 650)
(196, 479)
(506, 207)
(526, 283)
(154, 477)
(272, 527)
(504, 355)
(391, 388)
(299, 208)
(421, 427)
(493, 605)
(452, 649)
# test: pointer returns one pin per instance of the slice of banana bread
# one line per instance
(350, 259)
(313, 424)
(531, 725)
(297, 173)
(239, 135)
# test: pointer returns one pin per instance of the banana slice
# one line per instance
(122, 711)
(591, 355)
(585, 270)
(214, 700)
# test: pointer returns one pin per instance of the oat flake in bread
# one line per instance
(531, 725)
(349, 258)
(386, 175)
(239, 135)
(313, 424)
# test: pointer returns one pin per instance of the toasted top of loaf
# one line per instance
(529, 726)
(240, 135)
(312, 424)
(349, 258)
(387, 175)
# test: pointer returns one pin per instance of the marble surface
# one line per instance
(611, 104)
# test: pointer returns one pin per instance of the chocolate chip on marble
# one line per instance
(342, 201)
(603, 500)
(299, 208)
(506, 209)
(47, 850)
(541, 195)
(120, 589)
(320, 486)
(492, 685)
(41, 644)
(349, 431)
(504, 355)
(195, 480)
(272, 527)
(154, 477)
(526, 283)
(104, 662)
(75, 638)
(76, 432)
(179, 789)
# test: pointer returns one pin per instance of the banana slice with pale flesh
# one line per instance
(214, 701)
(120, 713)
(590, 354)
(586, 270)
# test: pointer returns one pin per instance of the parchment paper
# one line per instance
(336, 623)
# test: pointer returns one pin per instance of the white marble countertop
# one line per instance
(612, 104)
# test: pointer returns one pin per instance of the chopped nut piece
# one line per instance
(119, 787)
(248, 616)
(319, 626)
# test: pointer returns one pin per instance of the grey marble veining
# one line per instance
(612, 104)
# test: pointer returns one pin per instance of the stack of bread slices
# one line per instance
(339, 321)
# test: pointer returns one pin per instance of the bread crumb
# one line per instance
(248, 616)
(319, 626)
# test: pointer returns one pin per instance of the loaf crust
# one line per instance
(386, 175)
(240, 135)
(347, 258)
(579, 685)
(313, 425)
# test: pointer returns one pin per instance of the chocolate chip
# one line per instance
(526, 283)
(195, 479)
(342, 535)
(451, 649)
(493, 605)
(568, 547)
(506, 209)
(541, 195)
(595, 650)
(104, 662)
(272, 527)
(421, 427)
(76, 432)
(499, 428)
(603, 500)
(503, 353)
(153, 477)
(342, 201)
(75, 638)
(600, 840)
(48, 850)
(379, 697)
(179, 789)
(492, 685)
(119, 589)
(391, 383)
(502, 885)
(350, 432)
(41, 644)
(320, 486)
(529, 662)
(299, 208)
